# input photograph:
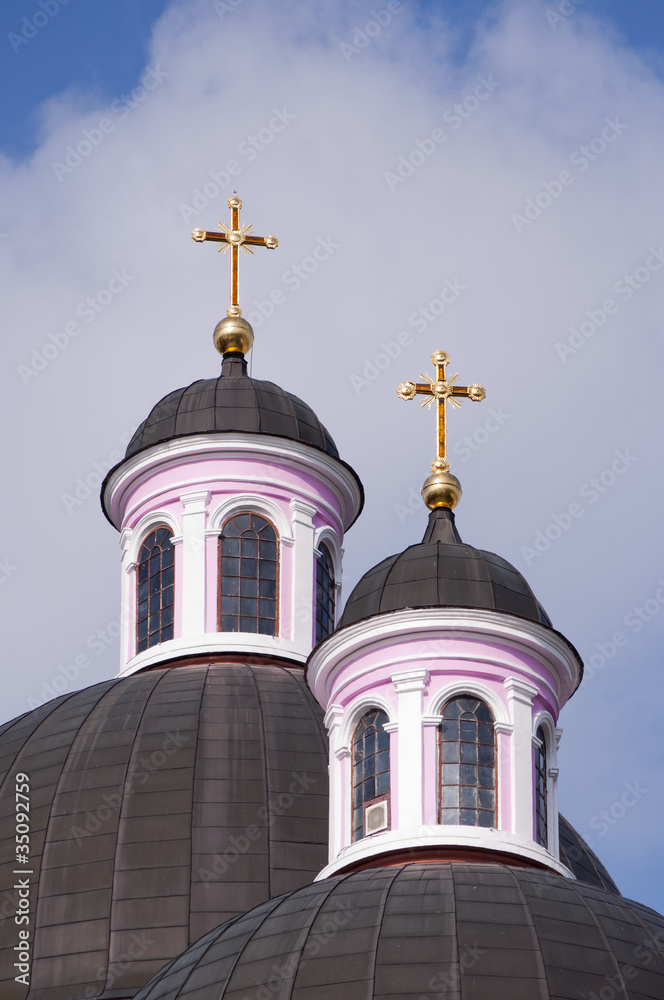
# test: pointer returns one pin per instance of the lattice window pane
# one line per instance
(371, 766)
(155, 573)
(325, 594)
(466, 749)
(248, 574)
(541, 818)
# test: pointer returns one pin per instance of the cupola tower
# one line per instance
(442, 687)
(232, 502)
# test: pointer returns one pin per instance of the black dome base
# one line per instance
(425, 931)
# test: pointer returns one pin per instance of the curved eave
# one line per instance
(168, 448)
(337, 637)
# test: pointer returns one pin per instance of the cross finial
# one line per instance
(236, 237)
(441, 391)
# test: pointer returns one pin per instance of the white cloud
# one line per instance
(323, 175)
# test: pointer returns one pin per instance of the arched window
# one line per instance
(156, 578)
(325, 594)
(541, 821)
(371, 775)
(248, 570)
(467, 766)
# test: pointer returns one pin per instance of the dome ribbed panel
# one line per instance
(232, 402)
(441, 574)
(162, 804)
(575, 853)
(478, 931)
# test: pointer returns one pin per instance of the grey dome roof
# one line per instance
(163, 803)
(442, 572)
(232, 402)
(584, 863)
(473, 931)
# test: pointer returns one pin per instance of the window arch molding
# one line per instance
(461, 687)
(251, 503)
(356, 712)
(155, 589)
(146, 525)
(543, 723)
(329, 538)
(543, 720)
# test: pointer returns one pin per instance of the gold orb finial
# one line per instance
(233, 334)
(441, 489)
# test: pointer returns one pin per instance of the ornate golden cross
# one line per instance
(441, 391)
(235, 237)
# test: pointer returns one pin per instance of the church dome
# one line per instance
(163, 804)
(425, 931)
(443, 572)
(232, 402)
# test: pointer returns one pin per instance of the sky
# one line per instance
(485, 178)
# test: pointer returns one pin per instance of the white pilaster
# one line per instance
(193, 561)
(303, 575)
(552, 816)
(520, 696)
(127, 588)
(409, 686)
(340, 802)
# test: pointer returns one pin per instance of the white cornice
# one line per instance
(208, 643)
(479, 838)
(180, 451)
(387, 631)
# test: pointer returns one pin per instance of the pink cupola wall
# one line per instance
(192, 485)
(409, 663)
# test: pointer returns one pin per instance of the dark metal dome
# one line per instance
(479, 931)
(162, 804)
(575, 853)
(232, 402)
(443, 572)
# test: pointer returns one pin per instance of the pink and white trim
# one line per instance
(192, 485)
(409, 663)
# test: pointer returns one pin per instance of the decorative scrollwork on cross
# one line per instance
(236, 237)
(441, 391)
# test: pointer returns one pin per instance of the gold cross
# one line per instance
(235, 237)
(441, 391)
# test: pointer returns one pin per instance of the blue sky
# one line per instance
(330, 174)
(99, 48)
